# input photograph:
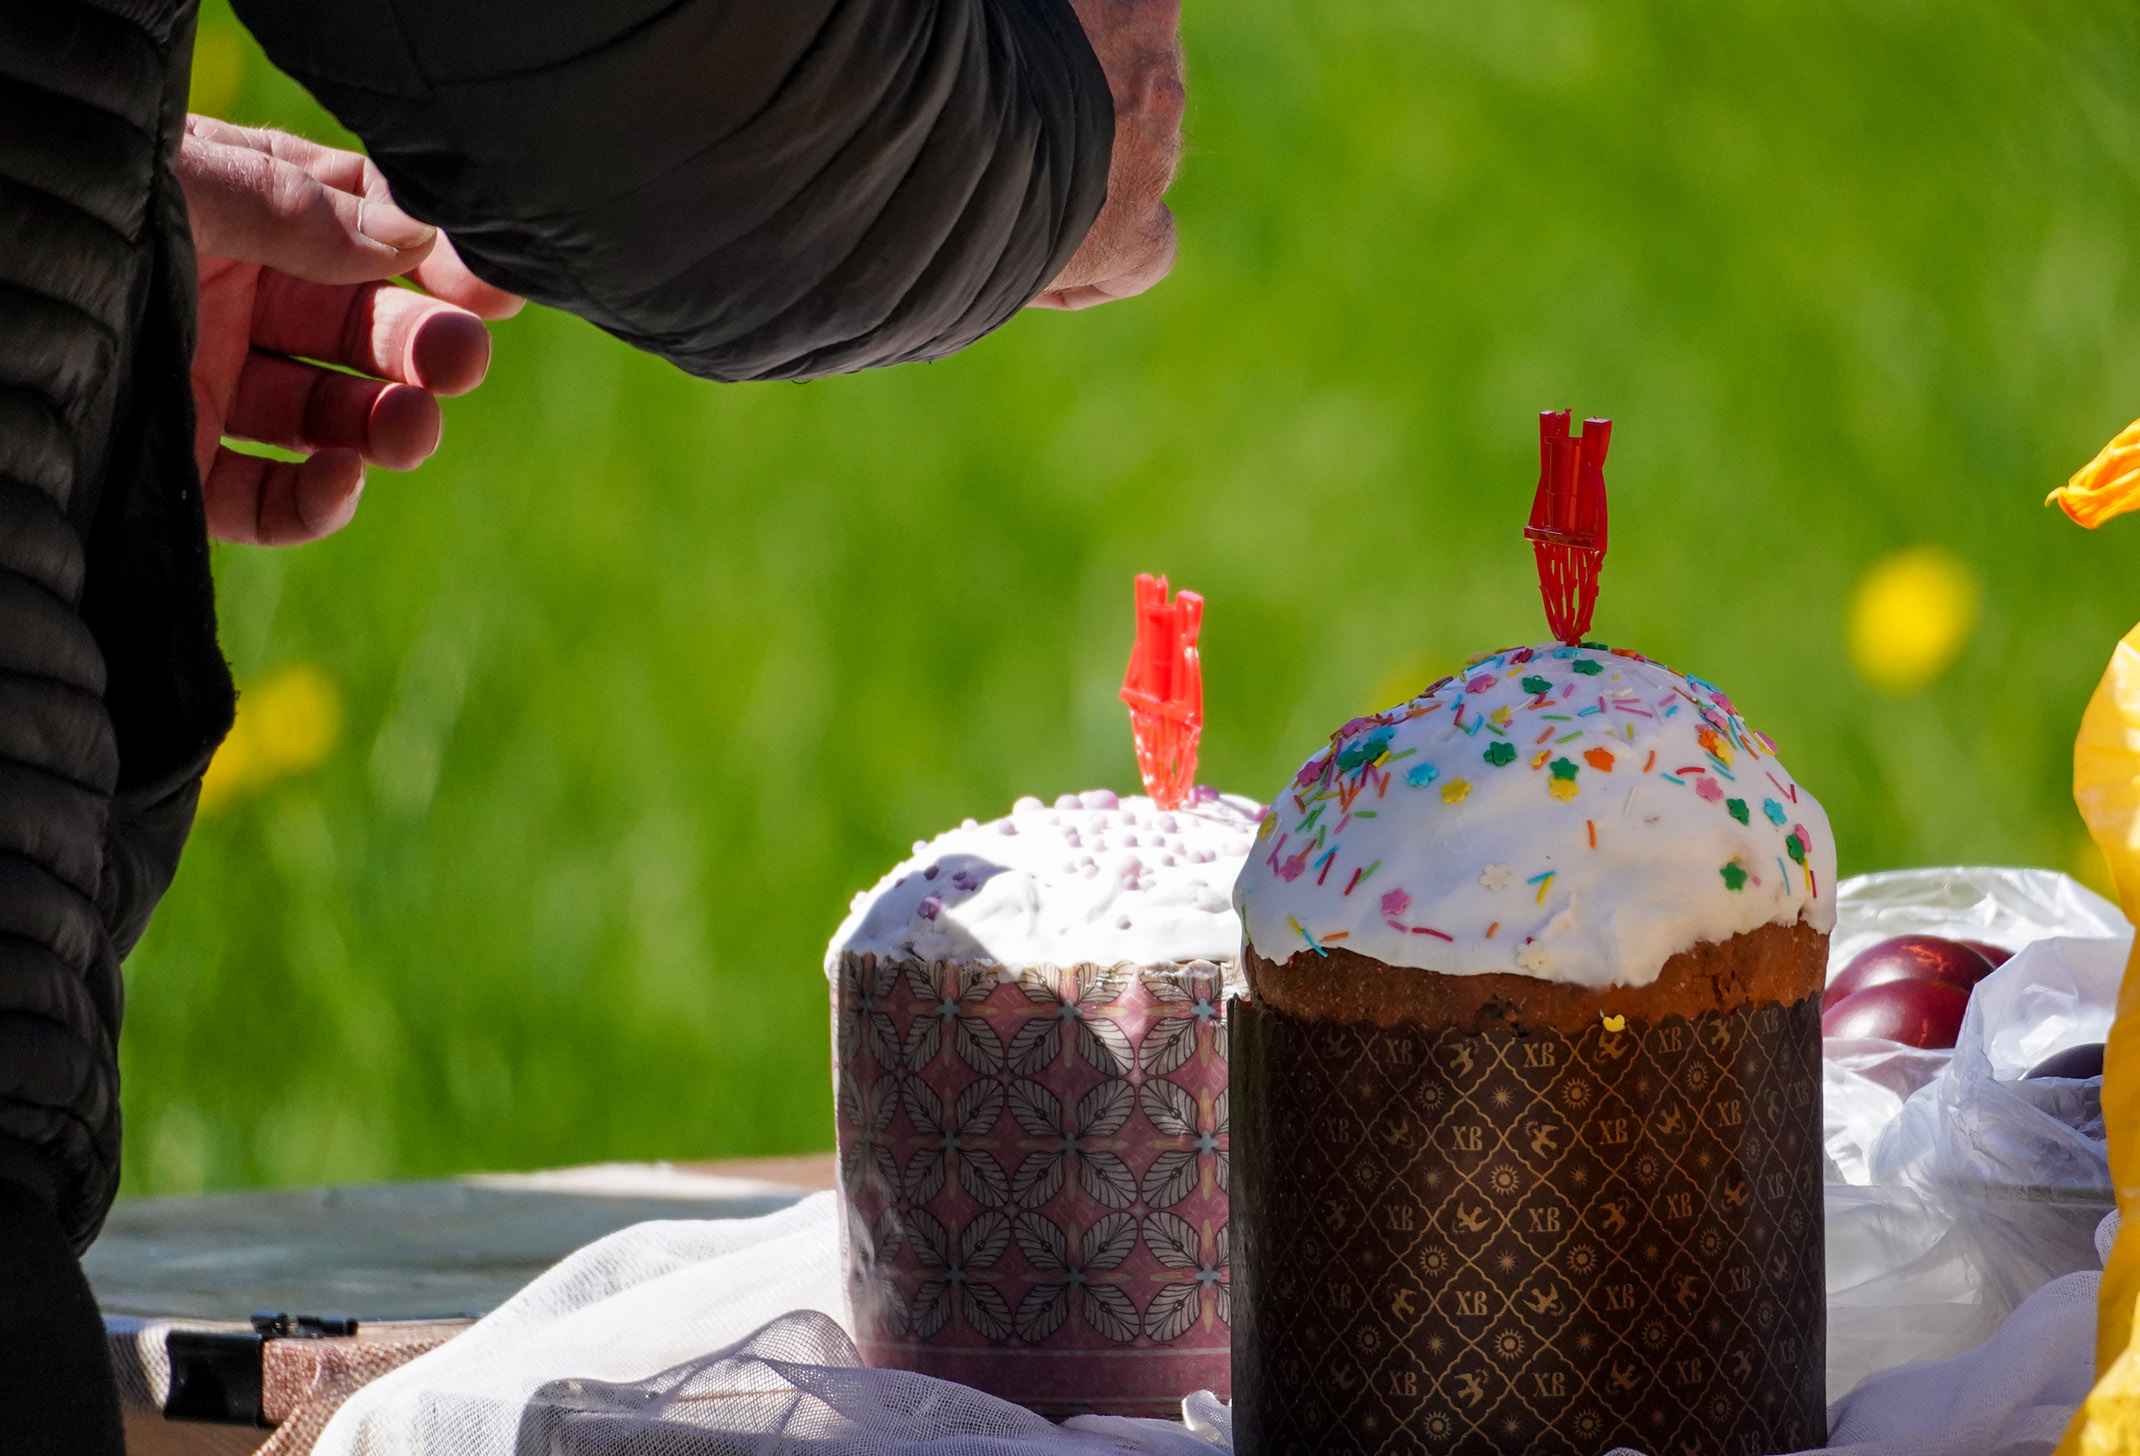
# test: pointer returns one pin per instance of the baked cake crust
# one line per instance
(1779, 964)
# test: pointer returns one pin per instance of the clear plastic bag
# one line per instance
(2009, 907)
(1956, 1188)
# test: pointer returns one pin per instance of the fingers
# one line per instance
(376, 328)
(351, 172)
(316, 232)
(341, 420)
(1125, 270)
(1070, 300)
(440, 270)
(259, 502)
(304, 408)
(255, 207)
(444, 275)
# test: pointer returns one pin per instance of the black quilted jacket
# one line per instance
(112, 692)
(750, 188)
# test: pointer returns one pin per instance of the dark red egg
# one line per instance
(2077, 1062)
(1909, 958)
(1998, 955)
(1916, 1012)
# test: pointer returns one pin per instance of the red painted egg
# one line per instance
(1909, 958)
(1998, 955)
(1916, 1012)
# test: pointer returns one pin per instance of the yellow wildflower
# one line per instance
(287, 722)
(1910, 617)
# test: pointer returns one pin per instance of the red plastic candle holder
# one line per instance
(1567, 528)
(1165, 690)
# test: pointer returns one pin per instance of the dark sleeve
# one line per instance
(752, 189)
(112, 691)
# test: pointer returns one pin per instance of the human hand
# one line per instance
(294, 242)
(1131, 245)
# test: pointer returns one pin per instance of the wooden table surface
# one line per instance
(163, 1251)
(813, 1171)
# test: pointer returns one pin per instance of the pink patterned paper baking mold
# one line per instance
(1033, 1167)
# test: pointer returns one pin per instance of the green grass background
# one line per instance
(642, 678)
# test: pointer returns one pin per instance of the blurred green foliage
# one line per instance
(643, 678)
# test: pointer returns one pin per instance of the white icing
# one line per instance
(1097, 878)
(1405, 841)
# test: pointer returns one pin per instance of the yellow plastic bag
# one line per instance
(2106, 786)
(2106, 486)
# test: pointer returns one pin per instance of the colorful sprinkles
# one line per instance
(1592, 713)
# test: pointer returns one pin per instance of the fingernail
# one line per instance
(450, 353)
(384, 223)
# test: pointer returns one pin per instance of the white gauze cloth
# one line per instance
(692, 1339)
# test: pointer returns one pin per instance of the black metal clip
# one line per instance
(303, 1326)
(215, 1376)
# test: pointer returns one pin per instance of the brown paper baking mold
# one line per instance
(1458, 1243)
(1033, 1172)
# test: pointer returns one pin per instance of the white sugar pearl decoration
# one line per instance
(989, 889)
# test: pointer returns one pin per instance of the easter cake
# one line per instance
(1031, 1075)
(1032, 1108)
(1526, 1093)
(1527, 1096)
